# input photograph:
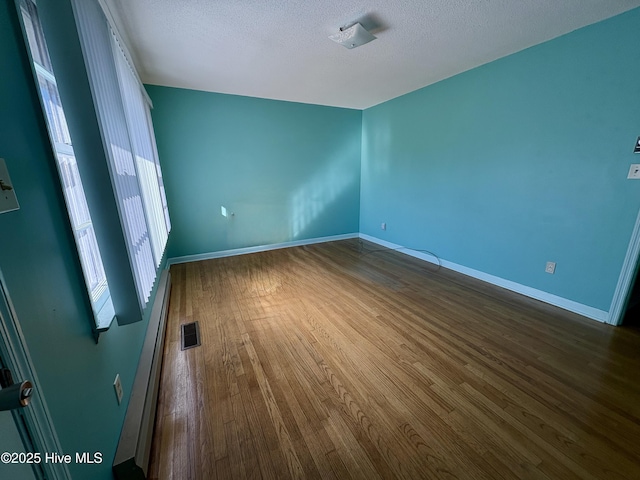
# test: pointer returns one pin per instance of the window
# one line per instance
(81, 223)
(127, 133)
(117, 156)
(138, 115)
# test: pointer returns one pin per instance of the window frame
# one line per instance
(88, 253)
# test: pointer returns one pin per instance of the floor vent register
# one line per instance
(190, 335)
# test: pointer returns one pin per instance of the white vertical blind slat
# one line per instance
(130, 151)
(135, 108)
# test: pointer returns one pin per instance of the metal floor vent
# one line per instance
(190, 335)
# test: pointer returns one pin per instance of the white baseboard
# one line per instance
(131, 460)
(259, 248)
(570, 305)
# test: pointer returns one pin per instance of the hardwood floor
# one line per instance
(339, 360)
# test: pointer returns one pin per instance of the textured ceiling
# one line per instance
(279, 48)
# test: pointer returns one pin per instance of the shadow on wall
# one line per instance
(325, 202)
(311, 200)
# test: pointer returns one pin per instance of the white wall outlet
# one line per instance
(383, 226)
(225, 212)
(117, 386)
(550, 268)
(634, 171)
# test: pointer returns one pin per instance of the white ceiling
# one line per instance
(279, 49)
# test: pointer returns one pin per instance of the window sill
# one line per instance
(105, 316)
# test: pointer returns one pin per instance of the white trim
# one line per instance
(566, 304)
(134, 447)
(627, 276)
(16, 355)
(259, 248)
(40, 70)
(570, 305)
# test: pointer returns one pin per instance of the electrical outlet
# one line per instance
(383, 226)
(550, 268)
(117, 386)
(225, 212)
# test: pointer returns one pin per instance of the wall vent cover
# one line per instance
(190, 335)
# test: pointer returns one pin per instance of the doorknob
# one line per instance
(13, 395)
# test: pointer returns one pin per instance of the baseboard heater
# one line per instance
(132, 455)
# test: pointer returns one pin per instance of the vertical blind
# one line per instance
(137, 113)
(127, 135)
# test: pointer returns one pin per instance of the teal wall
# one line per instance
(498, 169)
(515, 163)
(44, 280)
(288, 171)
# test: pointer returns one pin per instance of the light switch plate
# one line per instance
(8, 199)
(117, 386)
(634, 171)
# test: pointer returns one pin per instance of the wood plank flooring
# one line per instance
(341, 360)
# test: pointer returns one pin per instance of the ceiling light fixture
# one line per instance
(353, 36)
